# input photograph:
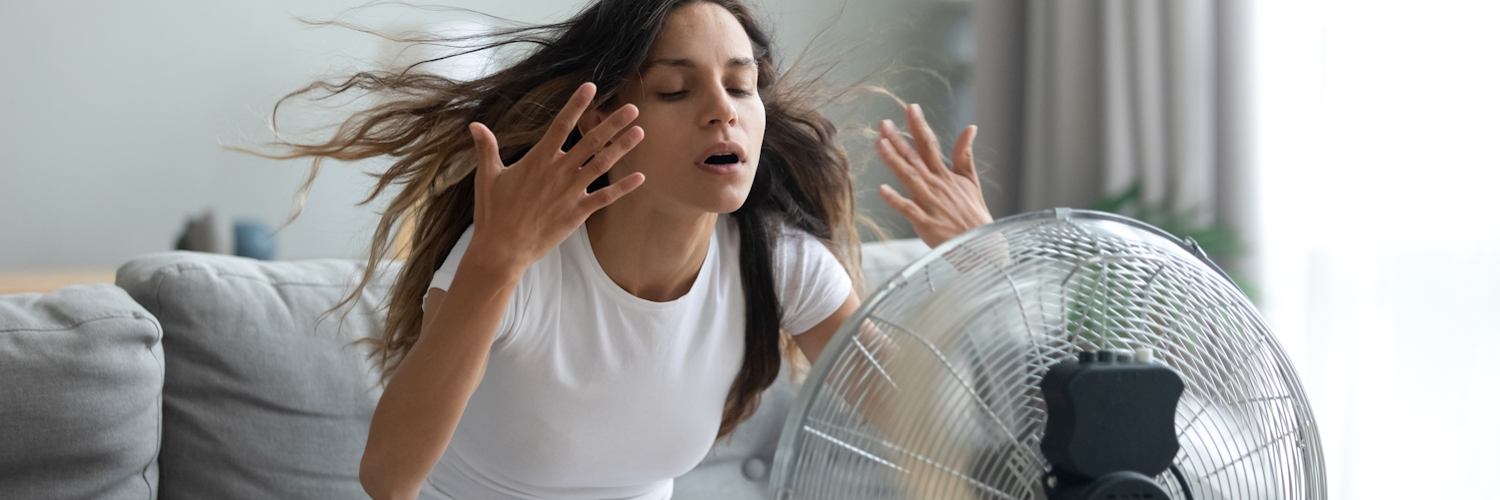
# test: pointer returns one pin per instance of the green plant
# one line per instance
(1219, 241)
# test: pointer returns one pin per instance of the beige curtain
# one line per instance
(1080, 99)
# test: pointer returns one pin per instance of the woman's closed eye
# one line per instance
(672, 96)
(678, 95)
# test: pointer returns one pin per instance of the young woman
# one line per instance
(610, 236)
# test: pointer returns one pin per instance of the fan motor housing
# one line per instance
(1106, 416)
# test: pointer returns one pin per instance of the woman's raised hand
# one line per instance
(943, 203)
(524, 210)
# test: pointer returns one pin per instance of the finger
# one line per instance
(963, 154)
(604, 160)
(596, 200)
(926, 139)
(905, 207)
(486, 150)
(909, 175)
(890, 132)
(600, 136)
(563, 123)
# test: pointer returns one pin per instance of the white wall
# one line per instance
(114, 113)
(112, 116)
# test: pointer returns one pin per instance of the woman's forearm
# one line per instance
(426, 395)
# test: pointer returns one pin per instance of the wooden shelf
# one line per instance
(47, 282)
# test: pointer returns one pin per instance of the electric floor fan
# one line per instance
(1061, 354)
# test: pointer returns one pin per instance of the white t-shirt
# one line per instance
(594, 393)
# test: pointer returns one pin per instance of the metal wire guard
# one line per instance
(930, 390)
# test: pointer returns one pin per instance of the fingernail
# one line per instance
(887, 123)
(917, 108)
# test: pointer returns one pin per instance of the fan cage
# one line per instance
(930, 390)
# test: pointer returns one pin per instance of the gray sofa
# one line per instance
(202, 376)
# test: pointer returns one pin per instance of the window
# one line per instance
(1378, 128)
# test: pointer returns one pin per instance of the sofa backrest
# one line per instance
(80, 395)
(258, 403)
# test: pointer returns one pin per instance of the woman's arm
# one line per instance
(428, 392)
(878, 351)
(945, 203)
(813, 341)
(521, 212)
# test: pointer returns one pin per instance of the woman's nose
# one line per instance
(721, 110)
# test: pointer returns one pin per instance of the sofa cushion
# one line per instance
(80, 406)
(260, 402)
(883, 259)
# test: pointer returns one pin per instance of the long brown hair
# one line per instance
(803, 180)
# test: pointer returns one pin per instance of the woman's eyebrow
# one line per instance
(688, 63)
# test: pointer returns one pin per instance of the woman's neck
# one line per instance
(652, 253)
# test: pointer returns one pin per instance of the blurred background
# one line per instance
(1337, 156)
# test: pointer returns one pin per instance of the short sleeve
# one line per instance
(442, 279)
(810, 281)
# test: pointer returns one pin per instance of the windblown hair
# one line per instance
(803, 180)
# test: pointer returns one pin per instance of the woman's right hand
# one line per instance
(524, 210)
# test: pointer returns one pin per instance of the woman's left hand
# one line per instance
(944, 202)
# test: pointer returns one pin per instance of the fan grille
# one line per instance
(931, 392)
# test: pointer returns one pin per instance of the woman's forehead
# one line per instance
(701, 34)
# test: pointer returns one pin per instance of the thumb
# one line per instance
(963, 154)
(486, 149)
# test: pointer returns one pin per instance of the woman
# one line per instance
(610, 237)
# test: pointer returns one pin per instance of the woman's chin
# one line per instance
(719, 198)
(728, 206)
(722, 201)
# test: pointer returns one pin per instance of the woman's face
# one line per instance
(703, 117)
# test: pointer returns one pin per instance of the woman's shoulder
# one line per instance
(793, 238)
(549, 264)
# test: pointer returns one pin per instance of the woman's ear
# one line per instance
(591, 118)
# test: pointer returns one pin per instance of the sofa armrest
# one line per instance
(80, 406)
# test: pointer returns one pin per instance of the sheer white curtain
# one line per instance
(1379, 154)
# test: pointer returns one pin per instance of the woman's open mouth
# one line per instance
(722, 158)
